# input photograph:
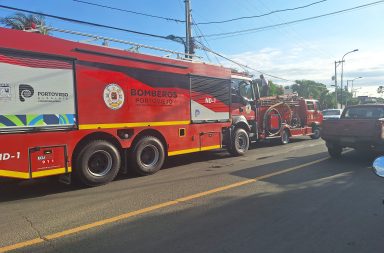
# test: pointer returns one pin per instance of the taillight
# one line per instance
(380, 124)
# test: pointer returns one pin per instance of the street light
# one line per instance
(342, 70)
(352, 82)
(346, 98)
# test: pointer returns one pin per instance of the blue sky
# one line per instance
(305, 50)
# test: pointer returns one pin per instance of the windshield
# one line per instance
(244, 88)
(331, 113)
(364, 113)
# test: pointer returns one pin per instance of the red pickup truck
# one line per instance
(360, 127)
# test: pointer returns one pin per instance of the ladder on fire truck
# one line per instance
(135, 46)
(291, 99)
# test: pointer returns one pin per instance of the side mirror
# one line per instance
(378, 166)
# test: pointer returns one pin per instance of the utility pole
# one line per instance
(337, 63)
(342, 70)
(188, 34)
(337, 106)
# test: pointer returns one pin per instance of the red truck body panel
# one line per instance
(113, 90)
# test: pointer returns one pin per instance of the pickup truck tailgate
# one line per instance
(350, 127)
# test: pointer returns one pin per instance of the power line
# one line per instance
(203, 47)
(261, 15)
(129, 11)
(198, 31)
(84, 22)
(251, 30)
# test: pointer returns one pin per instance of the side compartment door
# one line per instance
(46, 161)
(210, 99)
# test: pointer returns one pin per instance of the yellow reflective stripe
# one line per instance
(137, 124)
(192, 150)
(25, 175)
(210, 147)
(14, 174)
(45, 173)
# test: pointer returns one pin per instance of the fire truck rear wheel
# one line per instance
(98, 163)
(284, 137)
(147, 156)
(240, 142)
(316, 133)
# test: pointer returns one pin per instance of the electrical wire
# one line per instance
(252, 30)
(129, 11)
(245, 67)
(84, 22)
(203, 47)
(198, 31)
(259, 16)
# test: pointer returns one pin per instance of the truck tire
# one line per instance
(97, 163)
(239, 143)
(284, 137)
(147, 156)
(335, 151)
(316, 133)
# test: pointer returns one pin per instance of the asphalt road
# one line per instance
(277, 198)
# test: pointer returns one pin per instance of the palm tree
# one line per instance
(21, 21)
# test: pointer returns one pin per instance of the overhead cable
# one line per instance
(129, 11)
(84, 22)
(259, 16)
(251, 30)
(203, 47)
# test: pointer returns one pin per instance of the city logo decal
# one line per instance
(113, 96)
(25, 91)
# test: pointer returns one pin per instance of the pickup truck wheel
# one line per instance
(335, 151)
(97, 163)
(316, 133)
(147, 156)
(284, 137)
(239, 143)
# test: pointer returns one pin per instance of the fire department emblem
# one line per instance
(248, 108)
(113, 96)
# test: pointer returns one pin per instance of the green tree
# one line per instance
(380, 90)
(310, 89)
(21, 21)
(328, 100)
(275, 89)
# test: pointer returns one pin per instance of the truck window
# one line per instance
(245, 89)
(364, 113)
(310, 106)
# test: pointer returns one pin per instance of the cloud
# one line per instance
(296, 64)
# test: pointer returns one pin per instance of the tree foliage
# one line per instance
(21, 21)
(380, 90)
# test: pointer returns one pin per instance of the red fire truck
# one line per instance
(279, 117)
(75, 109)
(69, 107)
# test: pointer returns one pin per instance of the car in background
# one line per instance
(332, 113)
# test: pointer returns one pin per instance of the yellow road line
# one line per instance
(150, 208)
